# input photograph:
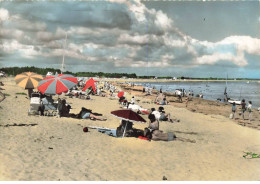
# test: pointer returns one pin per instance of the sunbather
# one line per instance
(85, 114)
(153, 132)
(158, 135)
(63, 108)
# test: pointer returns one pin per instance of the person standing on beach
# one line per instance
(179, 94)
(249, 109)
(188, 99)
(243, 108)
(234, 108)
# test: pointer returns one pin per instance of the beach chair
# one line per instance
(35, 103)
(50, 108)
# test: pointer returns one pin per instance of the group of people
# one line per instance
(244, 108)
(161, 99)
(148, 90)
(153, 132)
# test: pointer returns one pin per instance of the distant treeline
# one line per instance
(13, 71)
(107, 75)
(213, 78)
(17, 70)
(43, 71)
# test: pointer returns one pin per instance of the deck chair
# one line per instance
(50, 108)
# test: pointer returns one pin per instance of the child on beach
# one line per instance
(234, 108)
(164, 116)
(249, 109)
(179, 94)
(243, 108)
(164, 102)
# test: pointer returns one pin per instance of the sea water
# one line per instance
(237, 90)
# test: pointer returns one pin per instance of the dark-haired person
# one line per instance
(153, 123)
(164, 102)
(85, 114)
(153, 132)
(234, 108)
(164, 116)
(243, 108)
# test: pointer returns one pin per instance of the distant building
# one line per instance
(49, 74)
(2, 74)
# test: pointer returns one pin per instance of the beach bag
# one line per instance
(231, 116)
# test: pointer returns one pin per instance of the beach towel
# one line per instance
(110, 132)
(144, 138)
(145, 111)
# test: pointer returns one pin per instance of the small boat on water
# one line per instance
(230, 100)
(237, 102)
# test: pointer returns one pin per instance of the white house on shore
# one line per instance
(49, 74)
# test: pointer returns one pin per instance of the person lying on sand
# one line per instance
(138, 109)
(86, 113)
(158, 135)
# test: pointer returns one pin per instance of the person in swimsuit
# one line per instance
(249, 109)
(234, 108)
(87, 114)
(153, 132)
(243, 108)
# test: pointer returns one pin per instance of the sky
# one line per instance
(161, 38)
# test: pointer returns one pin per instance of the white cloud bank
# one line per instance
(150, 36)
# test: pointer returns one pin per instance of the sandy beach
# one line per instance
(45, 148)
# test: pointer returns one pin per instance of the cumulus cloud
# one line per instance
(120, 32)
(230, 49)
(4, 15)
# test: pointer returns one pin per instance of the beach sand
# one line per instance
(37, 148)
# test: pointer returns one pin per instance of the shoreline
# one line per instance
(168, 80)
(200, 105)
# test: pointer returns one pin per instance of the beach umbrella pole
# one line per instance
(30, 92)
(125, 129)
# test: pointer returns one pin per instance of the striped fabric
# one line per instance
(57, 84)
(28, 80)
(90, 83)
